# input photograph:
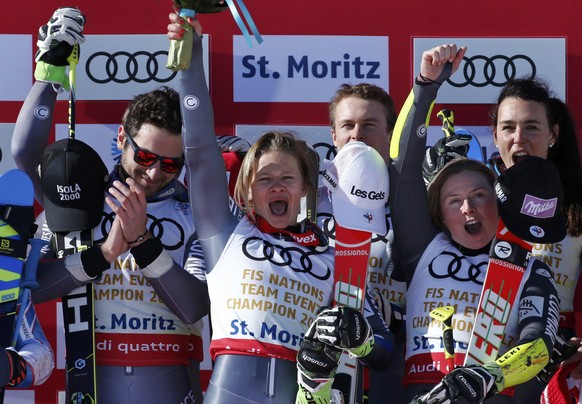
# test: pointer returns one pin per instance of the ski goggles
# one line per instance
(146, 158)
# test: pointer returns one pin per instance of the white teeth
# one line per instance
(472, 222)
(520, 154)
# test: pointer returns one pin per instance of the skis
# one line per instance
(78, 310)
(311, 197)
(352, 250)
(508, 260)
(79, 319)
(358, 182)
(16, 221)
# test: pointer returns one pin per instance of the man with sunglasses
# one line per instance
(146, 158)
(146, 262)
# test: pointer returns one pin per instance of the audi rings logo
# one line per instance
(42, 112)
(296, 258)
(450, 265)
(327, 150)
(481, 71)
(122, 67)
(170, 233)
(191, 102)
(328, 226)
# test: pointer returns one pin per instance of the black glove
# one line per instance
(464, 385)
(444, 150)
(12, 368)
(316, 364)
(345, 328)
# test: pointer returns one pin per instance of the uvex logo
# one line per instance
(373, 195)
(305, 239)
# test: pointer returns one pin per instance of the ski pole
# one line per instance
(447, 118)
(29, 280)
(73, 59)
(460, 138)
(445, 314)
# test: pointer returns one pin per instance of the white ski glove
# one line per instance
(65, 25)
(58, 46)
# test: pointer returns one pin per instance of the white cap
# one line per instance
(358, 181)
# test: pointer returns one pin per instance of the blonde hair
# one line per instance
(273, 141)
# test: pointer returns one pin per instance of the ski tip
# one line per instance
(18, 188)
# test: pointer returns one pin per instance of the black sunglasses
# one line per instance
(146, 158)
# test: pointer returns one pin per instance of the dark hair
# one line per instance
(565, 152)
(272, 141)
(364, 91)
(453, 167)
(159, 107)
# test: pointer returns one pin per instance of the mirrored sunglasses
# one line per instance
(146, 158)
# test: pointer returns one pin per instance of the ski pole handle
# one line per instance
(29, 280)
(447, 118)
(449, 344)
(445, 314)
